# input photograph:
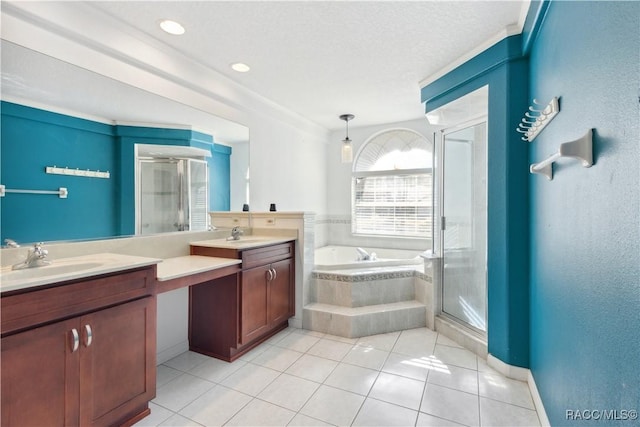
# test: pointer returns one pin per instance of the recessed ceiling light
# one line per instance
(172, 27)
(240, 67)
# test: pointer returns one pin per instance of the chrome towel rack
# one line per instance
(62, 192)
(581, 149)
(537, 118)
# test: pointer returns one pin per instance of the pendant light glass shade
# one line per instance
(347, 148)
(347, 151)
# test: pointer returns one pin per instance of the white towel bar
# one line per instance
(581, 149)
(62, 192)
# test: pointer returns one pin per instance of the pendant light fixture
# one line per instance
(347, 149)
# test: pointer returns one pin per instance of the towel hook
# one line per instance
(540, 116)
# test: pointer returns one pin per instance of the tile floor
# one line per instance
(303, 378)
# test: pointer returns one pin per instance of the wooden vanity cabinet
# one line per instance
(266, 299)
(257, 306)
(92, 364)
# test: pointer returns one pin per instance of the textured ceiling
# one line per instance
(321, 59)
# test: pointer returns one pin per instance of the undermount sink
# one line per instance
(70, 268)
(52, 269)
(247, 240)
(9, 275)
(243, 242)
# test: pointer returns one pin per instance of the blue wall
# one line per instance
(503, 68)
(95, 208)
(585, 224)
(33, 139)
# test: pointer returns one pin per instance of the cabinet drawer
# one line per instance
(39, 306)
(266, 255)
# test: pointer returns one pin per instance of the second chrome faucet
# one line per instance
(236, 232)
(36, 257)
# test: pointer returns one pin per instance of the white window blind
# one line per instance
(392, 186)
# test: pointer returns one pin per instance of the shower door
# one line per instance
(464, 225)
(172, 195)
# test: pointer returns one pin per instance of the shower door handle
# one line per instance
(443, 223)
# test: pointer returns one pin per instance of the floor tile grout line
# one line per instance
(376, 380)
(479, 408)
(319, 384)
(337, 362)
(507, 403)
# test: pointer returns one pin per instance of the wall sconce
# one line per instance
(347, 148)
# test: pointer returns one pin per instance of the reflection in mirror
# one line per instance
(57, 114)
(172, 188)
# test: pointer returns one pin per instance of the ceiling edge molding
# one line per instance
(43, 28)
(506, 32)
(497, 38)
(55, 109)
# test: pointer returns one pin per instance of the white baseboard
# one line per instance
(509, 371)
(295, 322)
(537, 401)
(521, 374)
(171, 352)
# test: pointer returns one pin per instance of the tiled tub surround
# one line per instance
(299, 377)
(359, 302)
(348, 257)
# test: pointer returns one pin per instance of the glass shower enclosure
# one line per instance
(463, 225)
(171, 194)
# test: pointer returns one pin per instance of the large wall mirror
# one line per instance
(57, 114)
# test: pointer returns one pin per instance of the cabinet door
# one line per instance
(253, 302)
(40, 376)
(281, 304)
(118, 362)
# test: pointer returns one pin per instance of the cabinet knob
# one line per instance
(275, 274)
(89, 335)
(269, 275)
(75, 340)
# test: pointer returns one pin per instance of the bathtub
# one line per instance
(346, 257)
(352, 298)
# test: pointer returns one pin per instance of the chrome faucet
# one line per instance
(236, 232)
(35, 258)
(363, 255)
(9, 243)
(366, 256)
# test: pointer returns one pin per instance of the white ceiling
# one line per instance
(321, 59)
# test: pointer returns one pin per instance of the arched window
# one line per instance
(392, 185)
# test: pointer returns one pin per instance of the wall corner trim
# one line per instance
(533, 23)
(507, 50)
(521, 374)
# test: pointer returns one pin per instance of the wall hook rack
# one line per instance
(581, 149)
(62, 192)
(537, 118)
(77, 172)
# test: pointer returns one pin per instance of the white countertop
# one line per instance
(173, 268)
(64, 269)
(245, 242)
